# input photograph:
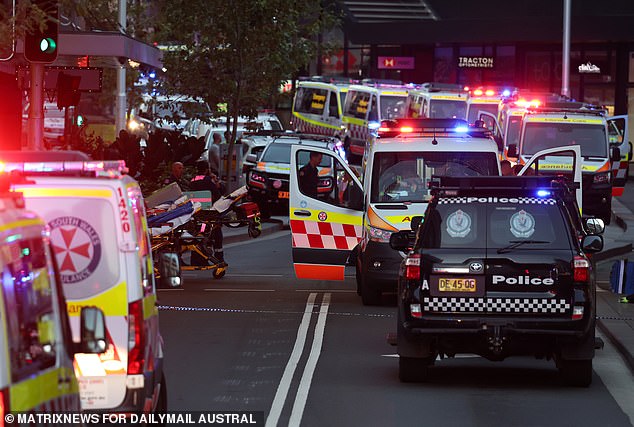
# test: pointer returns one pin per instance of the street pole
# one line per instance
(35, 136)
(120, 112)
(565, 57)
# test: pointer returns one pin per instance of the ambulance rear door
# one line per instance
(325, 227)
(618, 136)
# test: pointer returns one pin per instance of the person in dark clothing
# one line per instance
(177, 176)
(204, 180)
(308, 175)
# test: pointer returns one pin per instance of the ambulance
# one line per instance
(353, 221)
(437, 101)
(99, 235)
(366, 106)
(36, 344)
(575, 123)
(318, 108)
(485, 99)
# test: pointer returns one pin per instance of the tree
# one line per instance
(237, 52)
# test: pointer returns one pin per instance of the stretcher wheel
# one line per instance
(254, 231)
(219, 272)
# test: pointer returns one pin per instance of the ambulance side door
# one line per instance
(618, 136)
(326, 224)
(554, 155)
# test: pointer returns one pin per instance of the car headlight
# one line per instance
(602, 178)
(379, 235)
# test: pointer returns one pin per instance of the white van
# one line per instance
(36, 345)
(318, 108)
(99, 234)
(356, 220)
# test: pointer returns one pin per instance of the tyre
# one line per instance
(576, 373)
(254, 231)
(412, 369)
(358, 278)
(161, 404)
(369, 295)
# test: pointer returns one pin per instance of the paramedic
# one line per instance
(308, 175)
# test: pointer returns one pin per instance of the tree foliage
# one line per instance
(237, 52)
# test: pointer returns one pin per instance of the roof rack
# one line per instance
(329, 79)
(571, 109)
(439, 87)
(381, 82)
(453, 185)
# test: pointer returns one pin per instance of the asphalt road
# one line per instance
(309, 353)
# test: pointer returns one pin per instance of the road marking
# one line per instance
(238, 290)
(289, 371)
(311, 364)
(609, 365)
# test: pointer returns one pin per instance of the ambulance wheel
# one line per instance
(161, 405)
(219, 272)
(413, 369)
(576, 373)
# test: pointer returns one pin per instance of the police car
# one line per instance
(268, 181)
(36, 344)
(354, 223)
(499, 268)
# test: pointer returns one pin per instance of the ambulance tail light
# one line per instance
(412, 267)
(136, 338)
(581, 269)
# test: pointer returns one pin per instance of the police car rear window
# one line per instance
(494, 223)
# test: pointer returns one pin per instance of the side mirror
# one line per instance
(592, 243)
(416, 222)
(401, 240)
(615, 154)
(92, 330)
(169, 270)
(594, 225)
(356, 197)
(511, 151)
(251, 158)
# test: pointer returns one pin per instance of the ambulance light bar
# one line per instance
(539, 186)
(108, 168)
(429, 127)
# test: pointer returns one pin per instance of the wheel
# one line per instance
(219, 272)
(161, 404)
(369, 295)
(576, 373)
(413, 369)
(254, 231)
(358, 278)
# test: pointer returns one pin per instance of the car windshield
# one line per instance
(277, 153)
(403, 176)
(474, 111)
(505, 224)
(444, 109)
(393, 107)
(513, 131)
(539, 136)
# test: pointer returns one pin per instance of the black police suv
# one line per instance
(498, 268)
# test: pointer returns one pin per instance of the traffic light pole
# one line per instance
(35, 136)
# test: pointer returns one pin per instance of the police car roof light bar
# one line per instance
(434, 127)
(533, 183)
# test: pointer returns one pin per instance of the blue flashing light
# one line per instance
(152, 75)
(374, 125)
(461, 129)
(543, 193)
(506, 92)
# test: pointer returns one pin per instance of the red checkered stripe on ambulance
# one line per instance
(325, 235)
(304, 126)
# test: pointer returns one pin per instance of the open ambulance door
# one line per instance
(491, 123)
(557, 159)
(618, 136)
(326, 223)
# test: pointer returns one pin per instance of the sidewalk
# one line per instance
(615, 319)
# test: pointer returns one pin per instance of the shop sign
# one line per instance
(396, 62)
(475, 62)
(590, 68)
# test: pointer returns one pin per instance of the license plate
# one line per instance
(456, 285)
(282, 195)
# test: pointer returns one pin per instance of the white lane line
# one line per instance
(238, 290)
(609, 365)
(289, 371)
(311, 364)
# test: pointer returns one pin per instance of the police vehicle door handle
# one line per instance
(302, 213)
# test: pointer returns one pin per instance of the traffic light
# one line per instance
(67, 90)
(40, 45)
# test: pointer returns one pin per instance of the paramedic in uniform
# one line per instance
(308, 175)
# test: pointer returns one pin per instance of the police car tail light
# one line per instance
(412, 267)
(415, 310)
(581, 269)
(136, 338)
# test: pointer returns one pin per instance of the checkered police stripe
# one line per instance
(490, 199)
(325, 235)
(496, 305)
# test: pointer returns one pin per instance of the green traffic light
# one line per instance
(48, 45)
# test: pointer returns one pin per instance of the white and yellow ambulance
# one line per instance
(318, 107)
(98, 231)
(36, 345)
(438, 101)
(354, 220)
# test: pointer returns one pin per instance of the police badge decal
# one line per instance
(522, 224)
(458, 224)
